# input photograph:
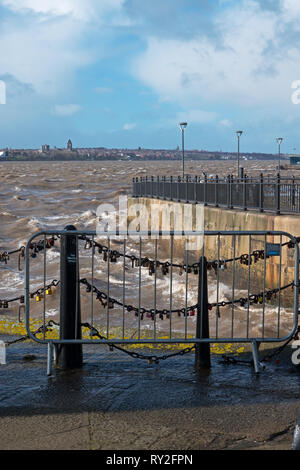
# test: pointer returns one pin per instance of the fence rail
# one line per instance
(279, 195)
(122, 286)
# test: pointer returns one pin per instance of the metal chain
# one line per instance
(35, 248)
(150, 358)
(189, 311)
(21, 298)
(246, 259)
(267, 357)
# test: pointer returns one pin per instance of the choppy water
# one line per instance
(37, 196)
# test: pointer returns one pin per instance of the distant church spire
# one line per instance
(70, 145)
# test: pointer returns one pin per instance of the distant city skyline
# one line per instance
(124, 73)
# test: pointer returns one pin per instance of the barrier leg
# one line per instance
(49, 358)
(202, 353)
(255, 357)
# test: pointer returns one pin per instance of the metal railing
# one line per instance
(142, 299)
(279, 195)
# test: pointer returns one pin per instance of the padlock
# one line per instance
(49, 291)
(192, 313)
(38, 298)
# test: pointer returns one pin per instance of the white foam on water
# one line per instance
(51, 312)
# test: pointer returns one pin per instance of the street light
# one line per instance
(238, 133)
(279, 141)
(183, 126)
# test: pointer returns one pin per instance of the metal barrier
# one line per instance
(280, 194)
(192, 296)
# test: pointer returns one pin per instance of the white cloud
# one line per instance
(66, 109)
(249, 63)
(80, 10)
(129, 126)
(291, 9)
(45, 42)
(226, 123)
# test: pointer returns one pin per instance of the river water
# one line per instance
(36, 196)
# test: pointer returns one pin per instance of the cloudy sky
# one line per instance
(123, 73)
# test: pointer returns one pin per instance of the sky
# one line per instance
(124, 73)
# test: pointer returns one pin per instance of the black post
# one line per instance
(202, 353)
(195, 189)
(293, 192)
(69, 356)
(217, 191)
(278, 194)
(205, 190)
(187, 188)
(230, 177)
(261, 199)
(244, 192)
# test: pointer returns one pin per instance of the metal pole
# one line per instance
(279, 157)
(182, 153)
(238, 156)
(69, 355)
(202, 353)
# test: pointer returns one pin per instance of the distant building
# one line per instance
(45, 148)
(70, 145)
(3, 153)
(295, 160)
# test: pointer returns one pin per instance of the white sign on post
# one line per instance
(2, 353)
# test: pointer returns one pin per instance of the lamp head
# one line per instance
(183, 125)
(239, 133)
(279, 140)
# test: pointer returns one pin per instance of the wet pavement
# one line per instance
(115, 402)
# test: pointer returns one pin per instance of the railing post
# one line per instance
(217, 191)
(278, 194)
(152, 181)
(164, 187)
(202, 352)
(244, 192)
(261, 193)
(195, 189)
(205, 190)
(69, 356)
(293, 192)
(171, 188)
(187, 188)
(158, 187)
(178, 181)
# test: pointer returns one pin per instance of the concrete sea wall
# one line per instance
(277, 272)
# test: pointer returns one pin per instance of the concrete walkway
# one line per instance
(119, 403)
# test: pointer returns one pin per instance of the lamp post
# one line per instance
(183, 126)
(279, 141)
(238, 133)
